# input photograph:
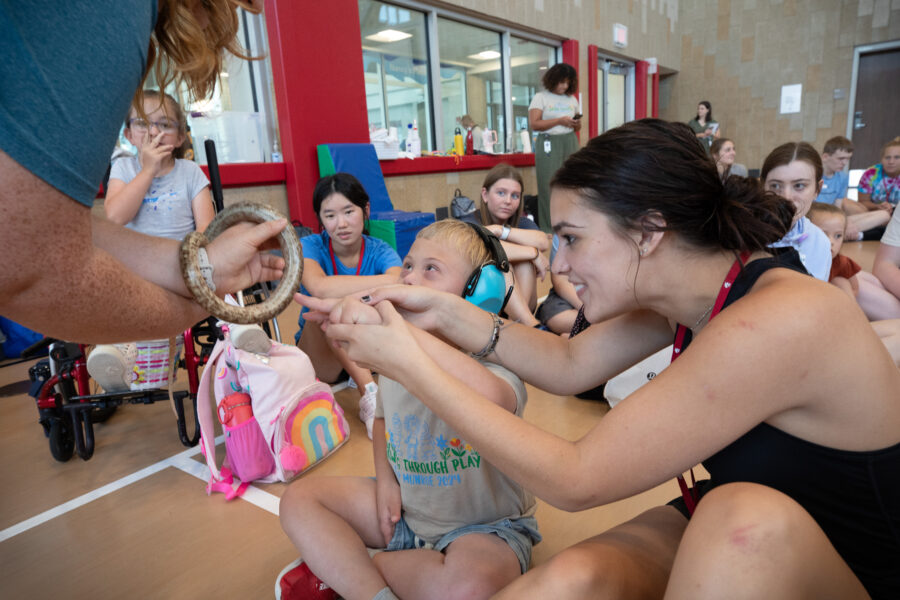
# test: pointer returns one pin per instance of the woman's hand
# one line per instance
(421, 306)
(388, 347)
(237, 258)
(570, 122)
(153, 153)
(541, 265)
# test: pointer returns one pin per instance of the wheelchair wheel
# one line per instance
(62, 439)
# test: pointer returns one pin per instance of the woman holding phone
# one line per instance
(554, 115)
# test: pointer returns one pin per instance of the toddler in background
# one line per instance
(447, 519)
(156, 193)
(873, 298)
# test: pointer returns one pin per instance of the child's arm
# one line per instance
(203, 209)
(524, 237)
(320, 285)
(465, 368)
(123, 200)
(387, 490)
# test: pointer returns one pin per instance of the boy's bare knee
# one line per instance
(585, 570)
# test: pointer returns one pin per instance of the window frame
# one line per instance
(506, 32)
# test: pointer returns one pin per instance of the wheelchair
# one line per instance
(61, 387)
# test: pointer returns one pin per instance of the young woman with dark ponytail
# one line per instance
(804, 498)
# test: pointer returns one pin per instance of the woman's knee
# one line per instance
(748, 516)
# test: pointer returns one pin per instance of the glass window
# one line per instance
(395, 61)
(528, 62)
(436, 67)
(471, 78)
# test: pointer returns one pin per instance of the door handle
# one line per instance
(857, 120)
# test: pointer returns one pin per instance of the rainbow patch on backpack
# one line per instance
(312, 430)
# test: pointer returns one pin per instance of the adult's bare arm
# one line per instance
(58, 281)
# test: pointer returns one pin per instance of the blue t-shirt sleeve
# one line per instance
(68, 73)
(315, 247)
(383, 257)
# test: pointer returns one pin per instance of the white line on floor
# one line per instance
(181, 461)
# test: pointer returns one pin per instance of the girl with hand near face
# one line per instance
(342, 260)
(803, 486)
(158, 192)
(524, 243)
(794, 171)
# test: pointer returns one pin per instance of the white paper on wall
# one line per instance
(791, 96)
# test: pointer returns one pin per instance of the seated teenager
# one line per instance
(524, 243)
(342, 260)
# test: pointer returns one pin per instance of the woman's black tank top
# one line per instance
(853, 496)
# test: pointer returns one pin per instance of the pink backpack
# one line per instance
(278, 420)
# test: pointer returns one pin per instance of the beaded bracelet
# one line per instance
(495, 337)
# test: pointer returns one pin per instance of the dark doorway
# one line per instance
(876, 118)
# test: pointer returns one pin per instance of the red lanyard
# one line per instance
(690, 494)
(362, 252)
(681, 330)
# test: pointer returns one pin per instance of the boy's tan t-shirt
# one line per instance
(445, 484)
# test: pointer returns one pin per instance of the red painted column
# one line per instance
(654, 92)
(640, 89)
(593, 101)
(317, 75)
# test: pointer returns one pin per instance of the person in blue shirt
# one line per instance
(862, 224)
(339, 261)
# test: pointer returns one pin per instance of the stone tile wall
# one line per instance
(738, 53)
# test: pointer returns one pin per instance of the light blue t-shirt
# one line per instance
(378, 258)
(166, 210)
(834, 188)
(812, 245)
(67, 76)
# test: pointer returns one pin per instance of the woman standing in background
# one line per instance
(553, 115)
(704, 126)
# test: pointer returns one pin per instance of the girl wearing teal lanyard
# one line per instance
(781, 388)
(339, 261)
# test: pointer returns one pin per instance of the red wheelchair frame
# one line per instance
(68, 410)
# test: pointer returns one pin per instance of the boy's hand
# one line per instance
(388, 504)
(387, 346)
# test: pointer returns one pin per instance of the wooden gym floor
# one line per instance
(134, 521)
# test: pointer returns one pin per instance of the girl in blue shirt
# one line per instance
(339, 261)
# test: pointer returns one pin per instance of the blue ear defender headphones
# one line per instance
(486, 286)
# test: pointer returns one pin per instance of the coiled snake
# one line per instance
(255, 313)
